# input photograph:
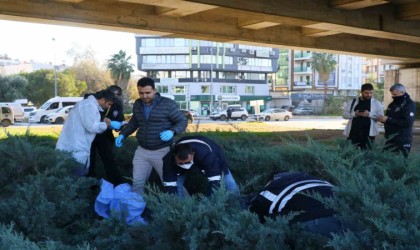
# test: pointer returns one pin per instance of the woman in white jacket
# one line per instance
(362, 112)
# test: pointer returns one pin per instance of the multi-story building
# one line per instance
(374, 69)
(304, 82)
(203, 75)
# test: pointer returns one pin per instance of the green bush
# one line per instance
(50, 208)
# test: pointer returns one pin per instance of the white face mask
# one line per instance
(186, 165)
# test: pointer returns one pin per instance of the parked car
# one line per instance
(303, 111)
(237, 113)
(60, 116)
(27, 111)
(6, 115)
(188, 114)
(273, 114)
(288, 107)
(194, 113)
(51, 106)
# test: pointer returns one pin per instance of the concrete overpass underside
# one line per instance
(375, 28)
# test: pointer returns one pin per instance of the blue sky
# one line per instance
(30, 41)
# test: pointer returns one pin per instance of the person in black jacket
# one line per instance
(290, 192)
(203, 153)
(399, 119)
(157, 120)
(104, 143)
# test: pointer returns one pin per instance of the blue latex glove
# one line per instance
(119, 141)
(115, 125)
(166, 135)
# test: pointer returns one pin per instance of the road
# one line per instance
(303, 122)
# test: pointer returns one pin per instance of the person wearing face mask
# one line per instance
(361, 112)
(200, 152)
(104, 142)
(398, 120)
(82, 124)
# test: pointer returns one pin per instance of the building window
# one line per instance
(249, 89)
(178, 90)
(195, 74)
(254, 76)
(228, 75)
(205, 89)
(180, 74)
(162, 89)
(228, 89)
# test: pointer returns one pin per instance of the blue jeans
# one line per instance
(229, 181)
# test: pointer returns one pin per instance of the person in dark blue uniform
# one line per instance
(398, 120)
(104, 143)
(290, 192)
(200, 152)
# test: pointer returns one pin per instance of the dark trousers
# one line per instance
(362, 141)
(398, 147)
(104, 144)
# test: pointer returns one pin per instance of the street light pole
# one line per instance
(211, 79)
(55, 71)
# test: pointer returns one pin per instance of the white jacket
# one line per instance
(80, 128)
(376, 109)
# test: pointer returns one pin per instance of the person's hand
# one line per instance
(363, 113)
(107, 121)
(119, 141)
(115, 125)
(166, 135)
(382, 118)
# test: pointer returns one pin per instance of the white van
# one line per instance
(6, 115)
(50, 106)
(19, 115)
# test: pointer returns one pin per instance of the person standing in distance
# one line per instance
(83, 123)
(362, 112)
(157, 119)
(398, 120)
(104, 142)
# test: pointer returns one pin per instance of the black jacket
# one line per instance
(165, 115)
(208, 157)
(401, 116)
(293, 192)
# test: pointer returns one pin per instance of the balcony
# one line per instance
(303, 56)
(302, 70)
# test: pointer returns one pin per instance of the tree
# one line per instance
(12, 88)
(324, 64)
(121, 70)
(40, 86)
(85, 68)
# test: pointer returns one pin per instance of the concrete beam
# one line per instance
(381, 19)
(355, 4)
(409, 11)
(219, 24)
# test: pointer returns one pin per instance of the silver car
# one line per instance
(273, 114)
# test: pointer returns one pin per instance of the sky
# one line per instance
(50, 43)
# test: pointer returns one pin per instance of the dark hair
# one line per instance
(105, 94)
(146, 81)
(367, 86)
(115, 88)
(182, 150)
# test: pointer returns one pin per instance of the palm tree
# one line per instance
(121, 70)
(324, 64)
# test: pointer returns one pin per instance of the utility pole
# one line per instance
(211, 78)
(55, 71)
